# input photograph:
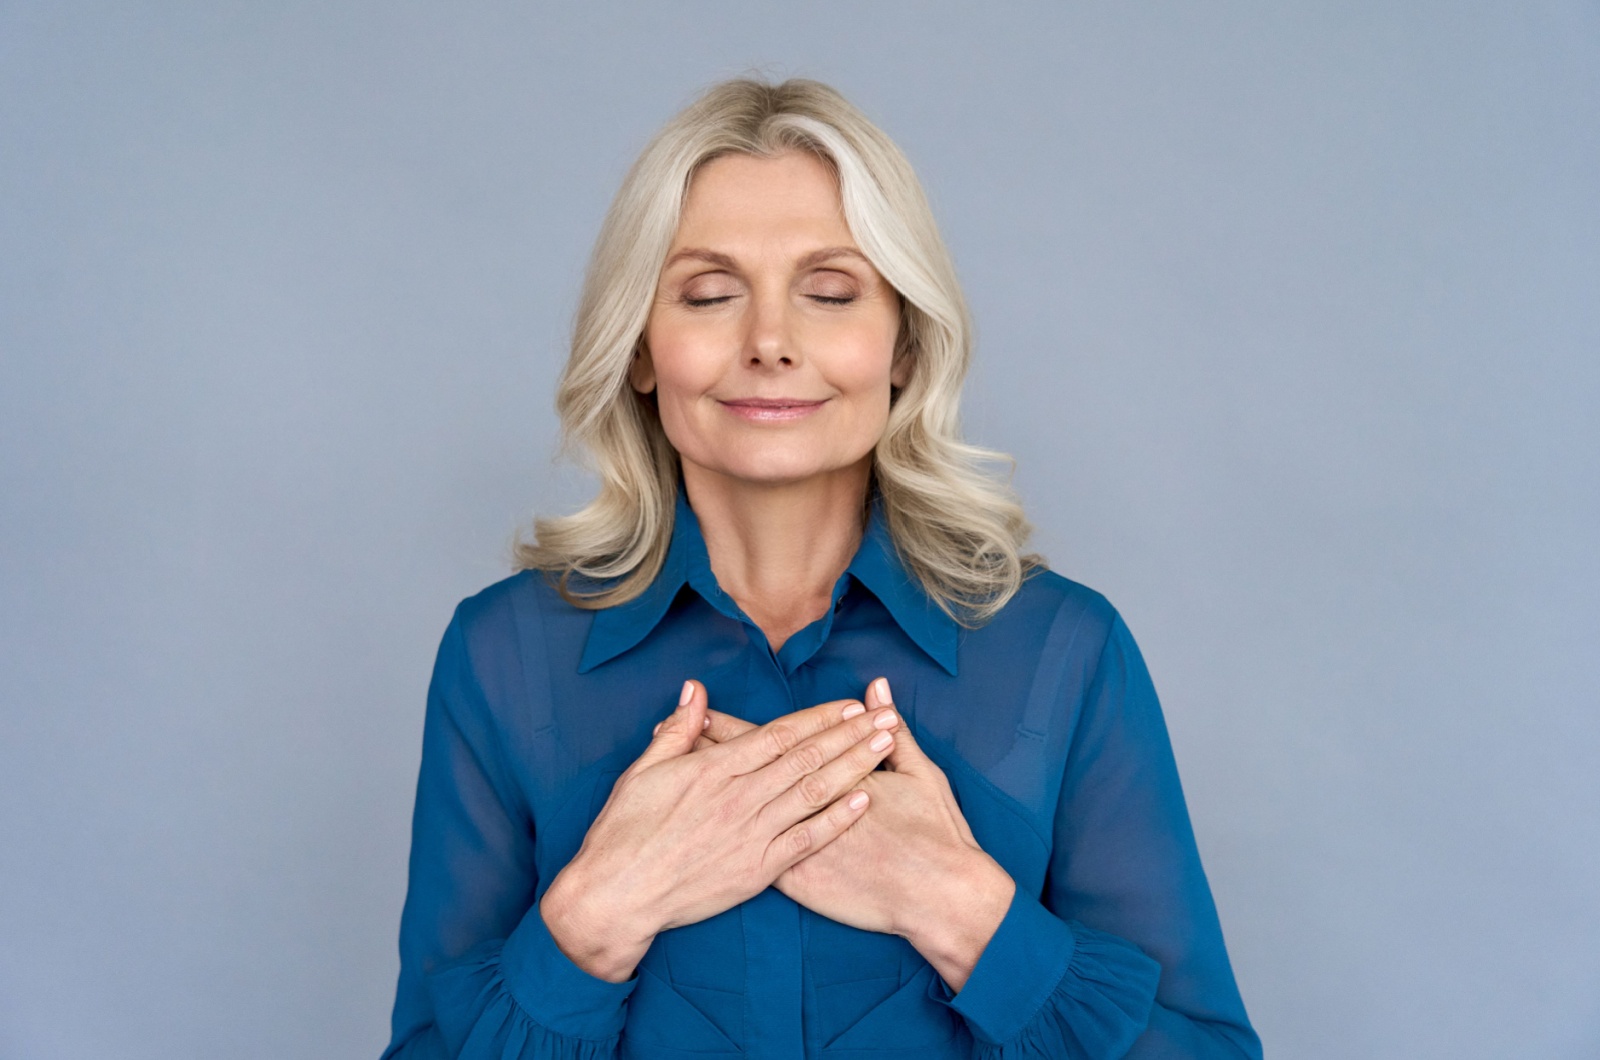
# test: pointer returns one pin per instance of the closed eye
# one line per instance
(830, 300)
(700, 302)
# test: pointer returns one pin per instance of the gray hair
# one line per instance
(958, 530)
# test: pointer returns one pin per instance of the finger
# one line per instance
(815, 832)
(795, 769)
(677, 732)
(767, 743)
(724, 727)
(905, 756)
(813, 791)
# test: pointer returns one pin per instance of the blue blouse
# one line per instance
(1044, 720)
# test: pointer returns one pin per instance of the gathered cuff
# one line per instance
(1048, 988)
(521, 998)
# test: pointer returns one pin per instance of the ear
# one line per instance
(642, 372)
(904, 352)
(900, 371)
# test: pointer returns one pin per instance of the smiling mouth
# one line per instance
(771, 403)
(771, 410)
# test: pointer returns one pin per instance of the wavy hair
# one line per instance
(957, 529)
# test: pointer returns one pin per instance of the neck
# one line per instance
(778, 549)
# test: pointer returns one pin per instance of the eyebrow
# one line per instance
(816, 257)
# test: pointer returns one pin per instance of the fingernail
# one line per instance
(657, 730)
(881, 686)
(854, 710)
(705, 722)
(687, 694)
(883, 720)
(858, 800)
(880, 741)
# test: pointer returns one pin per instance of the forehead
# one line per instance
(738, 198)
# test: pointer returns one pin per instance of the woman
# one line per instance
(916, 796)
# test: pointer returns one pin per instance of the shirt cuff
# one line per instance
(554, 991)
(1015, 975)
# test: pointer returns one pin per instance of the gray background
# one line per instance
(1289, 313)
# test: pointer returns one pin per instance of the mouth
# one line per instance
(771, 410)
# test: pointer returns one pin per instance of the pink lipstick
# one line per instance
(771, 410)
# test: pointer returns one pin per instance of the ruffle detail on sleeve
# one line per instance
(1096, 1012)
(480, 1019)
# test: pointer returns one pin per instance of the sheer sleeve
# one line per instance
(481, 978)
(1122, 955)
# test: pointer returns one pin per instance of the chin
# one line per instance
(772, 476)
(773, 471)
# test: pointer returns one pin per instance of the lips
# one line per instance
(771, 410)
(771, 403)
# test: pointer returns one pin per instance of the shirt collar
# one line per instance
(875, 565)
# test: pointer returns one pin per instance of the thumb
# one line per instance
(905, 756)
(678, 732)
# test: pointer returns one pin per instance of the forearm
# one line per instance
(957, 915)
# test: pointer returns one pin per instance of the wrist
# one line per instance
(588, 926)
(953, 925)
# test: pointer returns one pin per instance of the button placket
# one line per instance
(771, 921)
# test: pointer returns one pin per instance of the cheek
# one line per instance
(866, 360)
(678, 395)
(684, 373)
(683, 361)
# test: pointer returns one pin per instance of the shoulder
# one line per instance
(1052, 605)
(520, 620)
(504, 647)
(525, 598)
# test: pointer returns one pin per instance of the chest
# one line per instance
(769, 976)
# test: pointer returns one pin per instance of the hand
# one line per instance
(688, 833)
(889, 871)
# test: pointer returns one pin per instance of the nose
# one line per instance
(770, 339)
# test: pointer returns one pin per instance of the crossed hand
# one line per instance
(716, 809)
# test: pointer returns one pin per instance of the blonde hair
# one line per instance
(957, 530)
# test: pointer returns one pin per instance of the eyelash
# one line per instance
(701, 303)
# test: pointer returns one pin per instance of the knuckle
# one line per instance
(800, 841)
(807, 758)
(781, 738)
(814, 790)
